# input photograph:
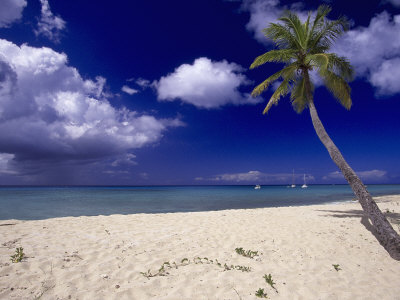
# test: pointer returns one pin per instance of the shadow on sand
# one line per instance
(392, 217)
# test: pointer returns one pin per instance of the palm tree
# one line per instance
(303, 47)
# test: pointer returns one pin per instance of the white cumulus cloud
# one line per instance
(129, 90)
(143, 83)
(385, 77)
(11, 11)
(205, 84)
(374, 51)
(49, 25)
(49, 113)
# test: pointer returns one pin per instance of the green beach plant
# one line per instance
(18, 256)
(237, 267)
(184, 261)
(243, 268)
(261, 294)
(303, 48)
(248, 253)
(162, 271)
(268, 279)
(337, 267)
(227, 268)
(218, 263)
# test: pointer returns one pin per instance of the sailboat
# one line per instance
(257, 187)
(304, 186)
(293, 185)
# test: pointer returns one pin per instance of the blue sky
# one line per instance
(157, 92)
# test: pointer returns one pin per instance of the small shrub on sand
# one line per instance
(261, 294)
(18, 256)
(337, 268)
(268, 279)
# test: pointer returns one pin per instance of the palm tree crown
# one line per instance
(303, 47)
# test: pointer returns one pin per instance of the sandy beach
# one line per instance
(108, 257)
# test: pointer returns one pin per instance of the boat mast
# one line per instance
(293, 185)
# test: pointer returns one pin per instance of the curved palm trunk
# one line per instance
(386, 235)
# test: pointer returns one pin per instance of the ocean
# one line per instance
(35, 203)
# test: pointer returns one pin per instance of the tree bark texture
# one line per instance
(385, 233)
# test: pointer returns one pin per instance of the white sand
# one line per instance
(101, 257)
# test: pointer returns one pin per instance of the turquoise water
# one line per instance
(33, 203)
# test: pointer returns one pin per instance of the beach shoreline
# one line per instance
(108, 257)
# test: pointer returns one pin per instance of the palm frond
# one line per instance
(287, 72)
(281, 36)
(318, 60)
(282, 90)
(280, 55)
(338, 87)
(330, 61)
(298, 95)
(293, 22)
(306, 29)
(327, 32)
(341, 66)
(318, 49)
(322, 11)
